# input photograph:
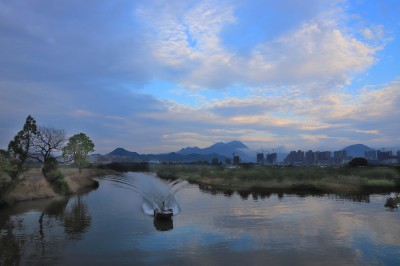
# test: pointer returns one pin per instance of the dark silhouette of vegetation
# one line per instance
(291, 179)
(77, 150)
(54, 176)
(359, 161)
(41, 144)
(19, 147)
(47, 141)
(392, 202)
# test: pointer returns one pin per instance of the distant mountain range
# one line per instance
(220, 151)
(225, 149)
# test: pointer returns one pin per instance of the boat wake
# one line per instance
(157, 194)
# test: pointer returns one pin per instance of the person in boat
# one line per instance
(163, 209)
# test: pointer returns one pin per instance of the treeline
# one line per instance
(47, 146)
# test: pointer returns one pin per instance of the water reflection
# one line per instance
(263, 194)
(10, 245)
(215, 227)
(38, 228)
(163, 224)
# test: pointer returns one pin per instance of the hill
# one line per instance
(357, 150)
(221, 148)
(124, 153)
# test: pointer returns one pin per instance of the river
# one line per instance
(108, 226)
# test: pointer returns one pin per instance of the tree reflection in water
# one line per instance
(77, 219)
(57, 220)
(258, 193)
(10, 245)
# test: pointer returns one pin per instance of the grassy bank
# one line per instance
(32, 184)
(293, 179)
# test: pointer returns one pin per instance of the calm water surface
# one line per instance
(109, 227)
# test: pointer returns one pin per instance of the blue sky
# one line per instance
(155, 76)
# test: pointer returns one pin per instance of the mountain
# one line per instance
(357, 150)
(219, 150)
(123, 152)
(225, 149)
(122, 155)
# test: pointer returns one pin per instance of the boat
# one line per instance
(163, 214)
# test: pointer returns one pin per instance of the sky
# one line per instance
(155, 76)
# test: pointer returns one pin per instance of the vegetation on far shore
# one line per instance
(291, 179)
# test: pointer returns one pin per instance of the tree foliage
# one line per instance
(19, 148)
(358, 162)
(77, 150)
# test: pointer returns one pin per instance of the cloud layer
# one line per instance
(270, 74)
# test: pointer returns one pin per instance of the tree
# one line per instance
(47, 142)
(77, 150)
(359, 161)
(19, 147)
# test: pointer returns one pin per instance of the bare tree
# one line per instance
(48, 145)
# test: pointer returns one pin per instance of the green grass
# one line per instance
(290, 178)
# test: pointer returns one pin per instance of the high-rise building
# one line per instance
(383, 155)
(295, 157)
(310, 158)
(370, 155)
(236, 159)
(260, 158)
(340, 156)
(272, 158)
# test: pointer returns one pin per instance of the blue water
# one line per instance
(109, 227)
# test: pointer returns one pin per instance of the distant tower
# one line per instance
(260, 158)
(236, 159)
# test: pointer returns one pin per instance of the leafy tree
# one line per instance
(19, 147)
(359, 161)
(77, 150)
(47, 142)
(4, 162)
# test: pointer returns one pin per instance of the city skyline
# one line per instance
(270, 74)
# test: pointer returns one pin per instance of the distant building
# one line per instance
(272, 158)
(370, 155)
(260, 158)
(383, 155)
(236, 159)
(324, 155)
(310, 158)
(398, 157)
(295, 157)
(340, 156)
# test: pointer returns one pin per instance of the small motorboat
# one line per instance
(163, 214)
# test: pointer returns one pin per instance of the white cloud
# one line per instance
(320, 50)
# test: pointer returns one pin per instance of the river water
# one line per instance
(109, 227)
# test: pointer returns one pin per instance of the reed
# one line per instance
(328, 179)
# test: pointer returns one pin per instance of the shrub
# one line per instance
(58, 182)
(359, 161)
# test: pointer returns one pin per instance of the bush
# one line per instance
(58, 182)
(50, 165)
(358, 162)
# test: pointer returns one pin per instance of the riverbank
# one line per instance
(287, 179)
(32, 185)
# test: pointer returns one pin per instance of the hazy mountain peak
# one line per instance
(357, 150)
